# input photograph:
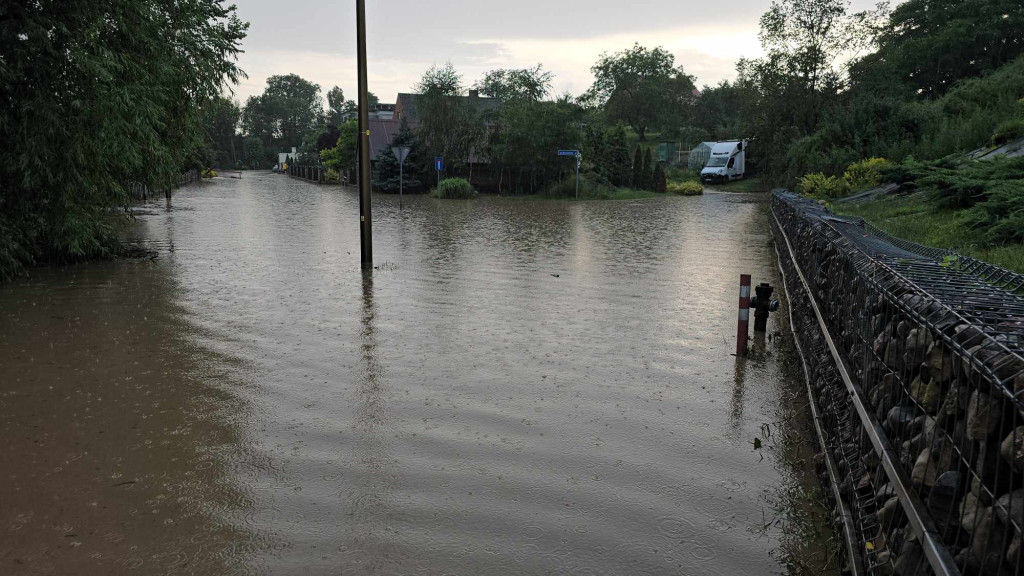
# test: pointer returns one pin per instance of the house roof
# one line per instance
(382, 134)
(405, 106)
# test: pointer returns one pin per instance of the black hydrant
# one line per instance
(763, 305)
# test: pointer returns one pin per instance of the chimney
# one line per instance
(474, 93)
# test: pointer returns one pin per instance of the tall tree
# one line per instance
(336, 106)
(645, 171)
(95, 96)
(618, 157)
(637, 177)
(522, 83)
(643, 88)
(930, 45)
(289, 108)
(658, 179)
(221, 118)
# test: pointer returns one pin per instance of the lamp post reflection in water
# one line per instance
(369, 502)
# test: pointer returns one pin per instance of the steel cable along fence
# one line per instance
(918, 379)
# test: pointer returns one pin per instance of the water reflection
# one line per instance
(368, 503)
(121, 438)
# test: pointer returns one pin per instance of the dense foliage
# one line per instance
(455, 188)
(95, 96)
(287, 111)
(642, 87)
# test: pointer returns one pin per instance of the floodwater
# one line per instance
(519, 387)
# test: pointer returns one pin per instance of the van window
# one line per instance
(732, 162)
(716, 162)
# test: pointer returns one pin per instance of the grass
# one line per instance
(917, 219)
(751, 184)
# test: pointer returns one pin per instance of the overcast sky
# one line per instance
(316, 38)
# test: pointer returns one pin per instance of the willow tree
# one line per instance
(94, 96)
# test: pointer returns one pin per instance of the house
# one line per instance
(377, 112)
(282, 157)
(382, 134)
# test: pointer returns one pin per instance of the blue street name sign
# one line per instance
(568, 152)
(439, 164)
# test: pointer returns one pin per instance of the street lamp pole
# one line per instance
(365, 218)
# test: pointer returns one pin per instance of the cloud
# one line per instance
(316, 38)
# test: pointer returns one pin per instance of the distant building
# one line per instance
(282, 157)
(377, 112)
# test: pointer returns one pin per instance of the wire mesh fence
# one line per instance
(917, 375)
(990, 273)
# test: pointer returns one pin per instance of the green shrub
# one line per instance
(865, 174)
(457, 188)
(1000, 218)
(209, 173)
(686, 188)
(681, 174)
(1008, 131)
(591, 187)
(821, 186)
(331, 176)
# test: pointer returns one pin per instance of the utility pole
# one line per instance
(365, 218)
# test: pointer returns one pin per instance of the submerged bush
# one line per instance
(821, 186)
(331, 176)
(455, 188)
(865, 174)
(686, 188)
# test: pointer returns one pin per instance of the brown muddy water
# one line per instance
(520, 387)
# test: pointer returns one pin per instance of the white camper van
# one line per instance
(728, 162)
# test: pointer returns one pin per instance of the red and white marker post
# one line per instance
(744, 321)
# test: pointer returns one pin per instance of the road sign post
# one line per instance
(401, 153)
(579, 160)
(439, 167)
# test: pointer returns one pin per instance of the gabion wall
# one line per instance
(925, 431)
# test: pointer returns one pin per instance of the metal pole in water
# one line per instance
(578, 160)
(744, 318)
(365, 218)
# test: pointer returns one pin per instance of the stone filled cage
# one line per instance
(915, 370)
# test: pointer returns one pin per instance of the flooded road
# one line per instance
(520, 387)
